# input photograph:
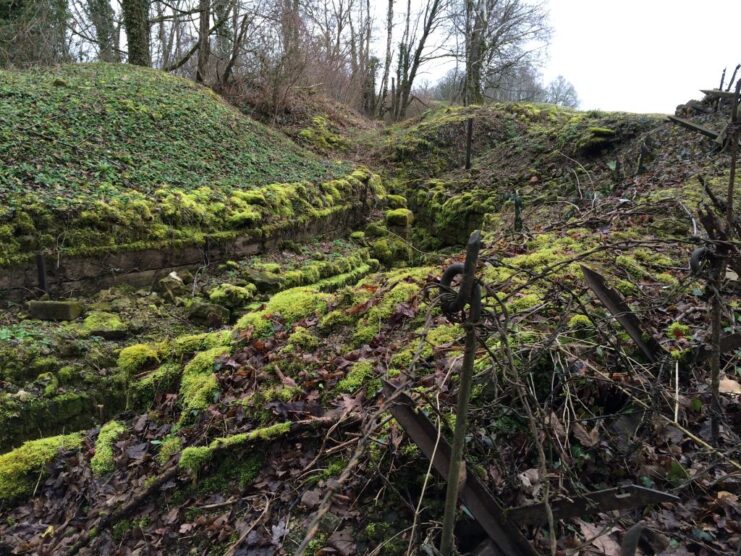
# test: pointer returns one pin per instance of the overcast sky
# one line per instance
(633, 55)
(643, 55)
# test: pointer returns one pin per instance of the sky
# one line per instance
(633, 55)
(642, 55)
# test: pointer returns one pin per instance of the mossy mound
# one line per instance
(116, 156)
(21, 469)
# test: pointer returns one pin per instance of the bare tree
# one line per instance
(414, 51)
(562, 92)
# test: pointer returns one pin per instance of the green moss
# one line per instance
(371, 323)
(164, 379)
(677, 330)
(400, 217)
(198, 386)
(290, 305)
(376, 229)
(358, 236)
(632, 266)
(667, 279)
(184, 346)
(171, 446)
(304, 339)
(579, 321)
(104, 324)
(232, 296)
(396, 201)
(135, 358)
(102, 462)
(194, 458)
(361, 374)
(524, 302)
(21, 469)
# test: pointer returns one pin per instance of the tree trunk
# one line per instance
(203, 40)
(101, 15)
(387, 61)
(136, 22)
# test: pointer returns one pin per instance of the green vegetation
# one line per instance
(136, 158)
(194, 458)
(21, 469)
(102, 462)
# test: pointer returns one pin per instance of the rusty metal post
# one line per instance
(469, 292)
(41, 271)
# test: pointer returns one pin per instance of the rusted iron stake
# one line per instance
(41, 268)
(470, 293)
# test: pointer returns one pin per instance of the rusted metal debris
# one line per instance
(507, 538)
(620, 310)
(499, 524)
(618, 498)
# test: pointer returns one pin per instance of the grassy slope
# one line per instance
(109, 155)
(66, 132)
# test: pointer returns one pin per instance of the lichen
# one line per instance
(102, 462)
(21, 468)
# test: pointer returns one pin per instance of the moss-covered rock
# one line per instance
(401, 217)
(103, 324)
(210, 314)
(231, 296)
(21, 468)
(133, 359)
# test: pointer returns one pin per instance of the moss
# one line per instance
(184, 346)
(391, 251)
(631, 266)
(435, 338)
(400, 217)
(198, 386)
(232, 296)
(194, 458)
(579, 321)
(304, 339)
(396, 201)
(164, 379)
(20, 469)
(376, 229)
(677, 331)
(626, 287)
(100, 323)
(371, 323)
(102, 462)
(170, 446)
(667, 279)
(361, 374)
(358, 236)
(135, 358)
(290, 305)
(524, 302)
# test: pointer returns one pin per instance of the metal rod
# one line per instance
(471, 293)
(41, 268)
